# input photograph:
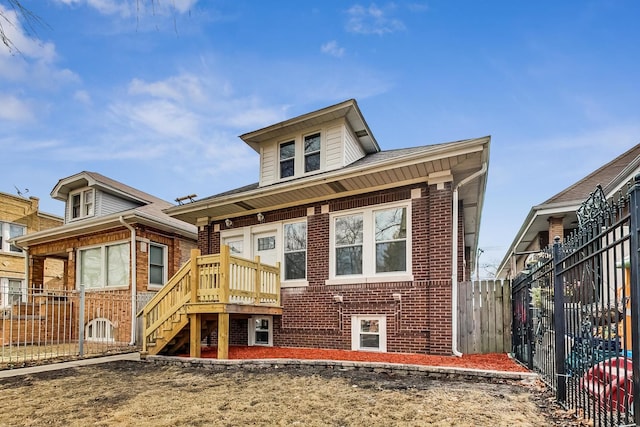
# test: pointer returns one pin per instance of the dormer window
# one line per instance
(82, 204)
(287, 159)
(312, 152)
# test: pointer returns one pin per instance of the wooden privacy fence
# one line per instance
(484, 317)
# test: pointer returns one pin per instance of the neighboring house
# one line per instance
(20, 216)
(114, 239)
(557, 216)
(371, 243)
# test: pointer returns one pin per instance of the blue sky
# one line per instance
(156, 97)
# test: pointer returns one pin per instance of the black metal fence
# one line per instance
(573, 312)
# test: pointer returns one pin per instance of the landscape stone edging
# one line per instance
(435, 372)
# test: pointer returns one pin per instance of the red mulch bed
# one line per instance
(493, 361)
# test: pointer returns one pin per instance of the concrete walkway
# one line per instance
(65, 365)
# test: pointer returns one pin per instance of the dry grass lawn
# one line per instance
(144, 394)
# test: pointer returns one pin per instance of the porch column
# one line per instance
(223, 336)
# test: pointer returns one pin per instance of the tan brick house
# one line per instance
(115, 239)
(370, 243)
(19, 216)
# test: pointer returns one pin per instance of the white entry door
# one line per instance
(264, 246)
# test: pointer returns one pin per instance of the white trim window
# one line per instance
(13, 291)
(369, 333)
(295, 251)
(158, 260)
(8, 231)
(312, 152)
(371, 242)
(261, 330)
(81, 204)
(287, 159)
(104, 266)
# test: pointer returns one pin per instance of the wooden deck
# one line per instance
(218, 284)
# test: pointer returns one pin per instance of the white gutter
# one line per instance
(134, 282)
(454, 260)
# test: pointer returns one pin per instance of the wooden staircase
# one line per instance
(218, 284)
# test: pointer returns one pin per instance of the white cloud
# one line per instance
(373, 20)
(126, 8)
(83, 97)
(14, 110)
(332, 48)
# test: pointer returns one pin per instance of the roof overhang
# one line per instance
(455, 160)
(103, 224)
(83, 179)
(347, 109)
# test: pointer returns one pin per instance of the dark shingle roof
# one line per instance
(603, 176)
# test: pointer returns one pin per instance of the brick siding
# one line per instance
(420, 322)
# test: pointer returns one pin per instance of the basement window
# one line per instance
(99, 330)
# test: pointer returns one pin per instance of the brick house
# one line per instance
(20, 216)
(115, 240)
(557, 215)
(370, 243)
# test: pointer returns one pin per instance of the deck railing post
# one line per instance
(559, 323)
(194, 275)
(634, 258)
(224, 274)
(258, 281)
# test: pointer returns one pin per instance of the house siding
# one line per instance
(107, 204)
(268, 164)
(419, 322)
(352, 149)
(334, 147)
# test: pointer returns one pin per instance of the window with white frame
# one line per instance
(99, 329)
(261, 330)
(369, 333)
(82, 203)
(157, 264)
(104, 266)
(295, 251)
(12, 291)
(312, 152)
(9, 231)
(371, 242)
(287, 159)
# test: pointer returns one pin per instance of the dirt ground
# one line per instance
(143, 394)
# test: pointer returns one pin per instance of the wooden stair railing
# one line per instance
(164, 316)
(204, 284)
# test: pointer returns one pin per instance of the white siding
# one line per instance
(334, 151)
(352, 149)
(268, 164)
(107, 204)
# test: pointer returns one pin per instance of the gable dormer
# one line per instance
(317, 142)
(88, 195)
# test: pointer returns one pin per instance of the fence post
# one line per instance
(81, 322)
(559, 323)
(634, 211)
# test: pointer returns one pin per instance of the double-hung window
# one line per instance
(104, 266)
(287, 159)
(295, 251)
(9, 231)
(371, 242)
(82, 204)
(157, 264)
(312, 152)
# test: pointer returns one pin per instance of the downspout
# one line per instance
(454, 260)
(134, 282)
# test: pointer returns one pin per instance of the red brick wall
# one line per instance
(419, 323)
